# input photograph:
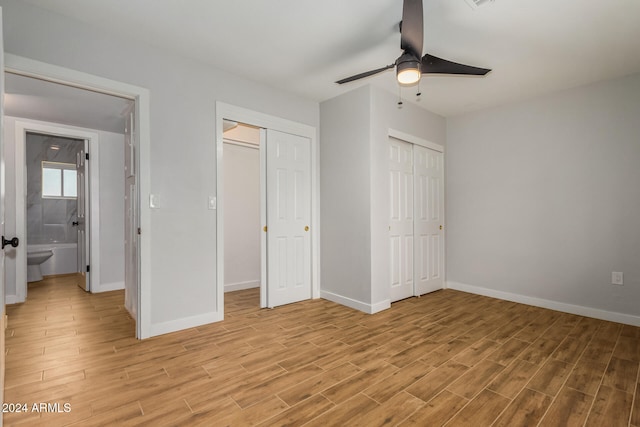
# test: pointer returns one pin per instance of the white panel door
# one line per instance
(288, 218)
(429, 213)
(401, 218)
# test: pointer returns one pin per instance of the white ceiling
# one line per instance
(303, 46)
(51, 102)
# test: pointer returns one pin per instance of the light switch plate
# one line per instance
(153, 201)
(617, 278)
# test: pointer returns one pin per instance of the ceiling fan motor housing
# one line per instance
(408, 69)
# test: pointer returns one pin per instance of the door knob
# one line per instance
(306, 228)
(13, 242)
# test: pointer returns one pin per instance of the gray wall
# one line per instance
(345, 234)
(183, 93)
(111, 187)
(543, 197)
(242, 230)
(354, 170)
(49, 220)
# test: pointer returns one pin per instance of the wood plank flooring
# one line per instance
(448, 358)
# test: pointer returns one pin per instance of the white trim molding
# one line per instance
(240, 286)
(108, 287)
(415, 140)
(185, 323)
(355, 304)
(596, 313)
(380, 306)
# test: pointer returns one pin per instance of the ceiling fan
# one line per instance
(411, 64)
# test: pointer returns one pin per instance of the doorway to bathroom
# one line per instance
(58, 234)
(84, 233)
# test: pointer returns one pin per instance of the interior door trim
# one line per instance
(266, 121)
(22, 127)
(402, 136)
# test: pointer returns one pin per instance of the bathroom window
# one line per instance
(59, 180)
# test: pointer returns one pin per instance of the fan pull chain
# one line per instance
(399, 96)
(419, 92)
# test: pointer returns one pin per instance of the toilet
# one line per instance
(34, 259)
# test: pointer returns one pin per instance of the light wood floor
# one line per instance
(446, 358)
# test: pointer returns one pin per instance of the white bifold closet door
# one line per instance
(416, 218)
(288, 218)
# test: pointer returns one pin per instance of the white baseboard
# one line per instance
(596, 313)
(11, 299)
(131, 310)
(230, 287)
(108, 287)
(185, 323)
(355, 304)
(380, 306)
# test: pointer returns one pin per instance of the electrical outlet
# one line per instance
(617, 278)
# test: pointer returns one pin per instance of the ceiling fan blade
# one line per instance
(411, 27)
(365, 74)
(434, 65)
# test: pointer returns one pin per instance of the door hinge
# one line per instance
(139, 230)
(86, 156)
(88, 269)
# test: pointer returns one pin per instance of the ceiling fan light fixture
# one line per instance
(408, 70)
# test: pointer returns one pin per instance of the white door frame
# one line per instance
(53, 73)
(243, 115)
(22, 127)
(2, 220)
(415, 140)
(402, 136)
